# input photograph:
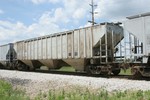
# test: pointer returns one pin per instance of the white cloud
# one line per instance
(61, 16)
(108, 10)
(119, 9)
(11, 32)
(76, 10)
(69, 11)
(86, 25)
(44, 1)
(45, 25)
(79, 13)
(38, 1)
(45, 18)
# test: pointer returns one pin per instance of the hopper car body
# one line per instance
(89, 49)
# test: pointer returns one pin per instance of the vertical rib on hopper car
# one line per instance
(79, 48)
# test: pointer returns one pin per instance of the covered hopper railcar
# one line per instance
(89, 49)
(139, 26)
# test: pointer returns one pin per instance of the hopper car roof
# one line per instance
(64, 32)
(139, 15)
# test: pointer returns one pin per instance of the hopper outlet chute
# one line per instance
(107, 34)
(28, 63)
(109, 40)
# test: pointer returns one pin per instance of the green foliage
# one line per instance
(79, 94)
(69, 69)
(8, 93)
(126, 72)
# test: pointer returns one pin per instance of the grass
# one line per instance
(8, 93)
(65, 68)
(71, 69)
(101, 95)
(126, 72)
(78, 93)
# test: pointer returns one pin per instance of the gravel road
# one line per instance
(35, 82)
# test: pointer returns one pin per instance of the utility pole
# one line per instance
(92, 12)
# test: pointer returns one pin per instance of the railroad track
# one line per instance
(128, 77)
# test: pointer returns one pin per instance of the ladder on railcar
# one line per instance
(104, 51)
(133, 48)
(107, 49)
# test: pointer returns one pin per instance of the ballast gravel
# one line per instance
(35, 82)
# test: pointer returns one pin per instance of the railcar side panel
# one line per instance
(82, 43)
(98, 32)
(59, 47)
(68, 47)
(76, 44)
(147, 34)
(6, 56)
(140, 27)
(88, 42)
(44, 50)
(64, 46)
(4, 50)
(54, 48)
(39, 49)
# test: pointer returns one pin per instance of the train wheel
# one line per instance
(31, 69)
(19, 67)
(135, 73)
(88, 71)
(116, 72)
(9, 66)
(22, 67)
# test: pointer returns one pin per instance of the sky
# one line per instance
(24, 19)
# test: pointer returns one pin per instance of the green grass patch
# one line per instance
(126, 72)
(78, 93)
(69, 69)
(65, 68)
(8, 93)
(88, 95)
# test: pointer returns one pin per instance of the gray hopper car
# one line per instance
(139, 26)
(89, 49)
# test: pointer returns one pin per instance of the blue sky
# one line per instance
(23, 19)
(24, 10)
